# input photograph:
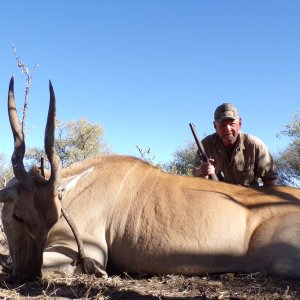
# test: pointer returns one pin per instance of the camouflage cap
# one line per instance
(226, 111)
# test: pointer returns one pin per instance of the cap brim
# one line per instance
(226, 118)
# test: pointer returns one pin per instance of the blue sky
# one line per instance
(145, 69)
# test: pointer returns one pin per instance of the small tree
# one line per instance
(6, 172)
(183, 160)
(76, 141)
(84, 139)
(288, 161)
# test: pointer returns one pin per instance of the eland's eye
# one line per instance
(17, 218)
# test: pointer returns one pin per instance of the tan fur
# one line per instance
(135, 218)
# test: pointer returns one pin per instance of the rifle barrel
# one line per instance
(202, 150)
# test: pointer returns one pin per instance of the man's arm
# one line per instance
(206, 167)
(266, 167)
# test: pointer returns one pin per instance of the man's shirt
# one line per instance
(248, 161)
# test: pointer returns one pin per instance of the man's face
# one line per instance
(228, 130)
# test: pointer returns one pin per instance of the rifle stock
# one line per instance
(202, 150)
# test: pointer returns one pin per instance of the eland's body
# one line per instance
(139, 219)
(133, 217)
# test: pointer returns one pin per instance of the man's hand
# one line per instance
(205, 169)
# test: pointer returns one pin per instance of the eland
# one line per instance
(112, 214)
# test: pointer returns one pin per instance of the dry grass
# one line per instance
(228, 286)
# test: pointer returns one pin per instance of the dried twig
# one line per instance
(146, 154)
(25, 70)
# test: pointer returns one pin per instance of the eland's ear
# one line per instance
(70, 182)
(7, 194)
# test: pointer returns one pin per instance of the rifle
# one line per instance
(202, 150)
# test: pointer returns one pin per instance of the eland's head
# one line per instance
(31, 202)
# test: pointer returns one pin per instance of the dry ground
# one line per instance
(227, 286)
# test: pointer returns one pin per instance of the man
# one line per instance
(243, 159)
